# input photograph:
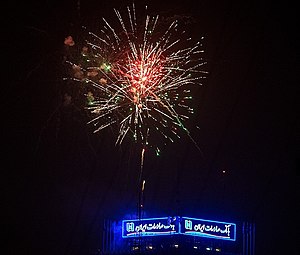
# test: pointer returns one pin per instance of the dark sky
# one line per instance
(61, 180)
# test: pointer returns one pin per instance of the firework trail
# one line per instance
(138, 77)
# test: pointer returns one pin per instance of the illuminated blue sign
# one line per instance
(208, 228)
(150, 227)
(179, 225)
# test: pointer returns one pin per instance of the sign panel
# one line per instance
(150, 227)
(179, 225)
(208, 228)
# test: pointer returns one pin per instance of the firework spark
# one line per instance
(138, 78)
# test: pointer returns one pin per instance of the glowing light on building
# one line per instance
(179, 225)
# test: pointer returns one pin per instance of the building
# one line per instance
(177, 235)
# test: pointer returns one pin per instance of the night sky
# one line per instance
(60, 180)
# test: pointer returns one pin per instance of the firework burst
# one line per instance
(137, 78)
